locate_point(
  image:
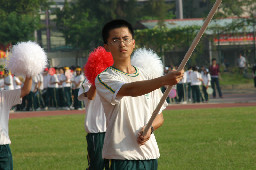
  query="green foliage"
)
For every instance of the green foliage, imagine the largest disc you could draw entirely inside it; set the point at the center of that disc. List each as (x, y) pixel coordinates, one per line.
(81, 22)
(234, 78)
(17, 27)
(19, 20)
(162, 39)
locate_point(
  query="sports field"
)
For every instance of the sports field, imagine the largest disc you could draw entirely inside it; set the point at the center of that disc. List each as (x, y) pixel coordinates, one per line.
(223, 138)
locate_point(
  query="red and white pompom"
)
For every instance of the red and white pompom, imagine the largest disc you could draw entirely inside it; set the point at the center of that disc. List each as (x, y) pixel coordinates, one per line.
(27, 58)
(97, 62)
(149, 61)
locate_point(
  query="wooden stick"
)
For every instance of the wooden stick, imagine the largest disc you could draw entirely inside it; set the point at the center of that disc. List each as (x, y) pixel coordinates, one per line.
(183, 63)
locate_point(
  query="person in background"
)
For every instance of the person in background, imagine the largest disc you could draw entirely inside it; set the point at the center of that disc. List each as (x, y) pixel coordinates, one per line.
(52, 86)
(67, 75)
(8, 80)
(45, 91)
(195, 85)
(206, 83)
(78, 82)
(188, 82)
(181, 89)
(39, 96)
(31, 95)
(215, 75)
(241, 64)
(61, 98)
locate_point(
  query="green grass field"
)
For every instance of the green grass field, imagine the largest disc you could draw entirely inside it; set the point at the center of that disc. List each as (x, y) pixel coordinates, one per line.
(189, 139)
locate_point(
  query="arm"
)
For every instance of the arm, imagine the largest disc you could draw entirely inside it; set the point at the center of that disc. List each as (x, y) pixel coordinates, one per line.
(27, 86)
(90, 94)
(143, 87)
(158, 122)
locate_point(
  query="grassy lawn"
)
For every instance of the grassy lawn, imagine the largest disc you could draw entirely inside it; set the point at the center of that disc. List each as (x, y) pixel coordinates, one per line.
(234, 78)
(189, 139)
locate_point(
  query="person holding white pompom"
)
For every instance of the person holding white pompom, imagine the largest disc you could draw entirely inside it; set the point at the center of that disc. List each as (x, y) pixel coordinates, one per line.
(9, 98)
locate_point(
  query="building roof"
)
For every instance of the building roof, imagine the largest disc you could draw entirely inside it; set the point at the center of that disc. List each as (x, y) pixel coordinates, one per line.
(175, 23)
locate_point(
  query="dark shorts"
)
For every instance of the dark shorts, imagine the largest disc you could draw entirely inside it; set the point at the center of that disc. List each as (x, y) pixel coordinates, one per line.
(94, 148)
(5, 158)
(133, 164)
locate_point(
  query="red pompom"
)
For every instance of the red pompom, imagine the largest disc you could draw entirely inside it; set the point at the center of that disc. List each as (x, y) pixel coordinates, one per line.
(97, 62)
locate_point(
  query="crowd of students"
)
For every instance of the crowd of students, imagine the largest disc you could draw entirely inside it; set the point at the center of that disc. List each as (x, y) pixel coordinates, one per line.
(193, 87)
(55, 88)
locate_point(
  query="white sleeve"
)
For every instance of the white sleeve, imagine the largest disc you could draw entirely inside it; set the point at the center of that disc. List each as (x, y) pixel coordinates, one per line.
(83, 89)
(107, 87)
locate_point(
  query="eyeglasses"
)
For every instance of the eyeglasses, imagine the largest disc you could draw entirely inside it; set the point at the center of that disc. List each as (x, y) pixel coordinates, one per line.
(117, 42)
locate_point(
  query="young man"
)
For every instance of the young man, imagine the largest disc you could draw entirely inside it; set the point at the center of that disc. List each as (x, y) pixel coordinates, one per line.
(215, 75)
(95, 125)
(9, 98)
(129, 96)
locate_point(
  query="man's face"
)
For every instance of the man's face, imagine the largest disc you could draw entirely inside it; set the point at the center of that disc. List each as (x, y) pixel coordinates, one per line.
(120, 43)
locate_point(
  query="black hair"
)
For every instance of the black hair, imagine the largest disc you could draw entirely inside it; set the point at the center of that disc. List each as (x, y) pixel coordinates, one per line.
(118, 23)
(213, 59)
(195, 68)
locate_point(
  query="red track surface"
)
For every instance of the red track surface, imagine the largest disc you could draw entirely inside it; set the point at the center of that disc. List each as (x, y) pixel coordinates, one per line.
(170, 107)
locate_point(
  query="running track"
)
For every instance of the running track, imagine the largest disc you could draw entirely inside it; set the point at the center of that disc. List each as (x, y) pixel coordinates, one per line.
(19, 115)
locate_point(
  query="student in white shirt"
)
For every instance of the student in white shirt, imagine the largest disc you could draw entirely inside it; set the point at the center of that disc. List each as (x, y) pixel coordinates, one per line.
(52, 86)
(206, 83)
(46, 93)
(77, 82)
(31, 95)
(67, 87)
(188, 82)
(95, 125)
(8, 81)
(129, 95)
(181, 89)
(195, 85)
(9, 98)
(39, 96)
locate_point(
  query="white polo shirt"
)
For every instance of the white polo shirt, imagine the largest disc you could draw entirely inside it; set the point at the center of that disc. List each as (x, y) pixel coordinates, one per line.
(184, 79)
(188, 74)
(126, 116)
(7, 100)
(53, 79)
(95, 120)
(206, 79)
(195, 75)
(66, 81)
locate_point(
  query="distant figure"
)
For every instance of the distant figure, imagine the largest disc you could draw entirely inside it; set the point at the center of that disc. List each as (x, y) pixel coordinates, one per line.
(215, 75)
(241, 64)
(254, 74)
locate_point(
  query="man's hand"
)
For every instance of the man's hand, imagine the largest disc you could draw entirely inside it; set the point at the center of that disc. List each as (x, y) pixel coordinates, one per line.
(174, 77)
(143, 139)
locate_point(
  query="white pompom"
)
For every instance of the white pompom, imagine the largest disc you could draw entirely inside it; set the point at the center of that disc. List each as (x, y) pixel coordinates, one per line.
(149, 61)
(27, 58)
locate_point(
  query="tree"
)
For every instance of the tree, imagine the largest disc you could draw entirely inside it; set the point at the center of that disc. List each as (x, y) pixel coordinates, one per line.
(81, 22)
(19, 19)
